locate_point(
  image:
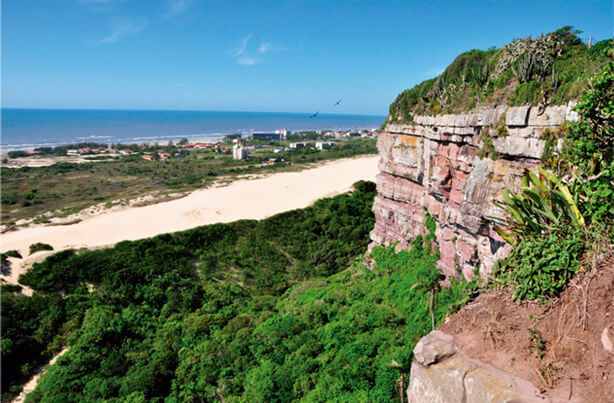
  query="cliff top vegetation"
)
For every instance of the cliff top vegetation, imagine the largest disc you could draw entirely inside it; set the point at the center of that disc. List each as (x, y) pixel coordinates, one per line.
(551, 69)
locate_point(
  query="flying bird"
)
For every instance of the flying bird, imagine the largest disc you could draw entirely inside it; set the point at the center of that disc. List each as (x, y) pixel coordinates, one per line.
(337, 103)
(315, 115)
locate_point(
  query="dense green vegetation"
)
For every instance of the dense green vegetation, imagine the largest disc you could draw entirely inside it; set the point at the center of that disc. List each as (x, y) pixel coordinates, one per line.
(69, 187)
(550, 69)
(270, 310)
(238, 262)
(563, 220)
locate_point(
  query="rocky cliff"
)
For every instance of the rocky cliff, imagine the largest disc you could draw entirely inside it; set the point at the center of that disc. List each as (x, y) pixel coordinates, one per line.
(453, 166)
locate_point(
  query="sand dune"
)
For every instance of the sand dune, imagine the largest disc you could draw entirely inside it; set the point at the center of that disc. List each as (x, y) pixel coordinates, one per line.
(244, 199)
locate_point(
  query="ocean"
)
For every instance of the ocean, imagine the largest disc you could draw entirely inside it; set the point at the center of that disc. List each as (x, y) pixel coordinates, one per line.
(24, 129)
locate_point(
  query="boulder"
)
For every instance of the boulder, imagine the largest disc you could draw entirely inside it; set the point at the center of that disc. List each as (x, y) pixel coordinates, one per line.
(442, 373)
(434, 347)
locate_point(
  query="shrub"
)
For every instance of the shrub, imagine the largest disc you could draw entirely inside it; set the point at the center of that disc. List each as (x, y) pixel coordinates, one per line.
(540, 266)
(12, 253)
(39, 246)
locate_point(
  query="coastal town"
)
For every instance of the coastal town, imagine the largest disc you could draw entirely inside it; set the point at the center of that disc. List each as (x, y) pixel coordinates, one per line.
(239, 146)
(58, 181)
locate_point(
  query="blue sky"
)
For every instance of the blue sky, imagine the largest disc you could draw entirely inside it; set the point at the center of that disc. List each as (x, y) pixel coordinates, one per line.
(286, 56)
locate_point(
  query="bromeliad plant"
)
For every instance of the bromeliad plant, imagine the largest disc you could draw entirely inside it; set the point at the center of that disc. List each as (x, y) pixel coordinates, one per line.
(543, 203)
(554, 225)
(546, 228)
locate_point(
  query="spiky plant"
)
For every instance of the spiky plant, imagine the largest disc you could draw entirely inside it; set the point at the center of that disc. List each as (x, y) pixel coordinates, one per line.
(523, 69)
(544, 202)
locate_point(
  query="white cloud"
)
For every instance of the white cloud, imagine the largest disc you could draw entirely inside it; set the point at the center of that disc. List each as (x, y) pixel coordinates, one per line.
(176, 7)
(247, 60)
(264, 47)
(267, 47)
(124, 26)
(243, 46)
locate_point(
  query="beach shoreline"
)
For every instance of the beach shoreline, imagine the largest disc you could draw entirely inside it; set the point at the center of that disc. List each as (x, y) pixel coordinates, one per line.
(242, 199)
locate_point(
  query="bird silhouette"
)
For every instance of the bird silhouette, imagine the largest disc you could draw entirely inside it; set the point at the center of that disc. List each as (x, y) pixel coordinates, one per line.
(337, 103)
(315, 115)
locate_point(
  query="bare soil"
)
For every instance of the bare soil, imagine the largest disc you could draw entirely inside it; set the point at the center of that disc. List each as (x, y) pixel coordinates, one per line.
(559, 346)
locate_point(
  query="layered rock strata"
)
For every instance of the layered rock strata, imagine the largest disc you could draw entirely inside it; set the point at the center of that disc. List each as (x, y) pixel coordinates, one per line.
(454, 166)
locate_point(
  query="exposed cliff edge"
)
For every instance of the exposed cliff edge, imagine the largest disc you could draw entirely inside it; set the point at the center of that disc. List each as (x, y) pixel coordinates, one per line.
(454, 166)
(506, 112)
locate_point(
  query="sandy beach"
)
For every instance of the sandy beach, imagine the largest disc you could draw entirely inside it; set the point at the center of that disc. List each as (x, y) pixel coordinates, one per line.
(243, 199)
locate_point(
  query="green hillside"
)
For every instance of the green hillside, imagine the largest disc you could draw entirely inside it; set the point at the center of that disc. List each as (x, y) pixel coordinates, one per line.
(550, 69)
(271, 310)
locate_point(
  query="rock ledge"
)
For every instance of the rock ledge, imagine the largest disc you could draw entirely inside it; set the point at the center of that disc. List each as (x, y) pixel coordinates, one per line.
(439, 163)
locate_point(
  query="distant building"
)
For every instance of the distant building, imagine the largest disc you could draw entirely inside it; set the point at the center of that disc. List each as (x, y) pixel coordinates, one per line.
(283, 132)
(323, 145)
(147, 157)
(277, 135)
(267, 136)
(296, 146)
(239, 152)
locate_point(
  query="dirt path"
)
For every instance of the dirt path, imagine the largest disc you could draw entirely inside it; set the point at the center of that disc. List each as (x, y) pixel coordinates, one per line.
(31, 385)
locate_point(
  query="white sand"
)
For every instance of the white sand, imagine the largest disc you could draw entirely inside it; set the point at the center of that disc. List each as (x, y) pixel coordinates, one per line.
(244, 199)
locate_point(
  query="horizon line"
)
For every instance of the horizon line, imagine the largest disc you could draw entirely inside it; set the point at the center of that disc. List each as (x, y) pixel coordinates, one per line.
(185, 110)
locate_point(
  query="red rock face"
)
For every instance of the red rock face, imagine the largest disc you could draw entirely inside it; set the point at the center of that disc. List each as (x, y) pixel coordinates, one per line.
(434, 165)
